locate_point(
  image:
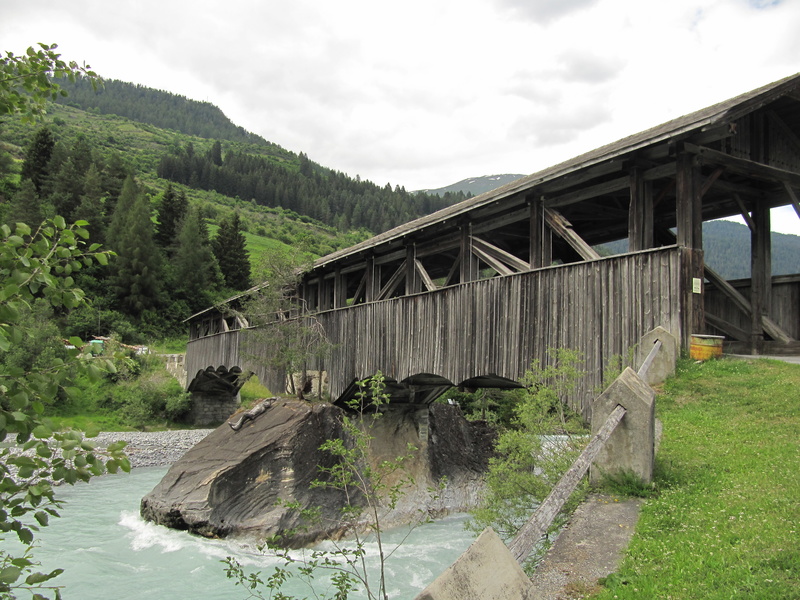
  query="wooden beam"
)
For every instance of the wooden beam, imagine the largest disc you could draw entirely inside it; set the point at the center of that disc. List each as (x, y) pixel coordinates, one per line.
(362, 286)
(412, 284)
(745, 213)
(688, 206)
(793, 198)
(729, 329)
(593, 191)
(640, 212)
(760, 275)
(743, 166)
(709, 182)
(394, 281)
(580, 177)
(774, 330)
(719, 282)
(423, 274)
(372, 279)
(563, 229)
(339, 289)
(449, 280)
(540, 237)
(469, 265)
(519, 265)
(492, 261)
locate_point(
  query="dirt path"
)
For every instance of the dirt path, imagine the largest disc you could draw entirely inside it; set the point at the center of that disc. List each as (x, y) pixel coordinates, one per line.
(588, 549)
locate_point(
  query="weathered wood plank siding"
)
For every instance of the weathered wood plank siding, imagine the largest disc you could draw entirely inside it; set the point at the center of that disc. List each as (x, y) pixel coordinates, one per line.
(492, 326)
(784, 306)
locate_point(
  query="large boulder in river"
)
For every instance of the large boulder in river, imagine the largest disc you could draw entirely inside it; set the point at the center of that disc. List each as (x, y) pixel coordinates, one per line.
(238, 482)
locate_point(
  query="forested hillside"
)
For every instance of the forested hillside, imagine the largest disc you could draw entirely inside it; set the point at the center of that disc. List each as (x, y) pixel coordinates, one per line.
(243, 165)
(727, 250)
(159, 108)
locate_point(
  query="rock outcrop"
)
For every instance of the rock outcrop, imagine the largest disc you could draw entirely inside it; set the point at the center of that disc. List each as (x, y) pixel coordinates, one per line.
(238, 482)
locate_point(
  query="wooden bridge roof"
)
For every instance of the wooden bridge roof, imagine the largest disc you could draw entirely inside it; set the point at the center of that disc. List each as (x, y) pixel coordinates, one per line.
(653, 147)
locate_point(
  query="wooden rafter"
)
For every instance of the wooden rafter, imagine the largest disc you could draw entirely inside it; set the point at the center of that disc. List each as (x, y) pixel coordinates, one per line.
(771, 327)
(394, 281)
(563, 229)
(710, 181)
(361, 289)
(487, 252)
(423, 274)
(737, 333)
(745, 213)
(742, 165)
(793, 198)
(454, 270)
(593, 191)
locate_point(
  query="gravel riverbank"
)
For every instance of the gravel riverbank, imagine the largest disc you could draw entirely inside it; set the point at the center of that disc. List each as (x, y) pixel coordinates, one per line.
(153, 448)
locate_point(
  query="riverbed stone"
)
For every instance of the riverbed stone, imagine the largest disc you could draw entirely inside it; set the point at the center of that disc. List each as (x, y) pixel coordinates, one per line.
(238, 482)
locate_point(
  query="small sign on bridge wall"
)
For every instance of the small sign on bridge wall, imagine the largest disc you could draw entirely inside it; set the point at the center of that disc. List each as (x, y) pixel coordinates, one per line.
(697, 285)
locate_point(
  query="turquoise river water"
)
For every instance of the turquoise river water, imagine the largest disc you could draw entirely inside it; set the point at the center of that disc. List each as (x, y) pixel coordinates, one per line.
(109, 552)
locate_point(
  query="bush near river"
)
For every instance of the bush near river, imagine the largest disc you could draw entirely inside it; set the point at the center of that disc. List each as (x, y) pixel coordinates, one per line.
(724, 519)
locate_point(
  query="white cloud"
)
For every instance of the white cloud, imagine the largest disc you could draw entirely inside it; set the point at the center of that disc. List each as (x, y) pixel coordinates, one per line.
(428, 92)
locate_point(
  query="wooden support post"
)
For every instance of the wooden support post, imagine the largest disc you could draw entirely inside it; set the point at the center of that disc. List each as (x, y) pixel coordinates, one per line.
(412, 281)
(325, 293)
(469, 262)
(339, 289)
(640, 212)
(541, 240)
(688, 204)
(760, 275)
(372, 280)
(689, 220)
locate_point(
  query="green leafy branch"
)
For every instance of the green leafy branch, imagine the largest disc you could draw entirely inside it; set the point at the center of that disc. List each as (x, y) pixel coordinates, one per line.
(41, 264)
(26, 81)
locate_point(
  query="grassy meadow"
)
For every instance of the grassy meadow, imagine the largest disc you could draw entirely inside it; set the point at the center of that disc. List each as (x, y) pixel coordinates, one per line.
(724, 521)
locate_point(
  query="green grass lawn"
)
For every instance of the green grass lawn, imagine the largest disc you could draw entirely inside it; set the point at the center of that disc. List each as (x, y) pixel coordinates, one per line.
(725, 522)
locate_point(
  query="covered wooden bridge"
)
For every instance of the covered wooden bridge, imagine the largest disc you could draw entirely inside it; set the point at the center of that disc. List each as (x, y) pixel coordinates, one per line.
(469, 295)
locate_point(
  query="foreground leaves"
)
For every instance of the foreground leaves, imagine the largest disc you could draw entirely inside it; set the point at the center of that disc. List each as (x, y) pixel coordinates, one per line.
(40, 264)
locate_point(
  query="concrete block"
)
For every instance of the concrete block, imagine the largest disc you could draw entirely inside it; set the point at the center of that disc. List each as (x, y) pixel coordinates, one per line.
(664, 363)
(631, 446)
(487, 570)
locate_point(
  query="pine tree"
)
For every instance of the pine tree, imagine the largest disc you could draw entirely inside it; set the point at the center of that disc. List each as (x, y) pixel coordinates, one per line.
(197, 273)
(123, 206)
(230, 249)
(91, 208)
(67, 186)
(25, 206)
(215, 154)
(172, 211)
(37, 158)
(137, 281)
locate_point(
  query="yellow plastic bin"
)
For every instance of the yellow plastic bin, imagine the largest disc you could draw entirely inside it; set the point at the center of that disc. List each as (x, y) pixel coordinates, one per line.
(703, 347)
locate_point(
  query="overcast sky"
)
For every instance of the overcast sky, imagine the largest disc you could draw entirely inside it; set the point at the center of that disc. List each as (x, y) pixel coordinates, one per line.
(424, 93)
